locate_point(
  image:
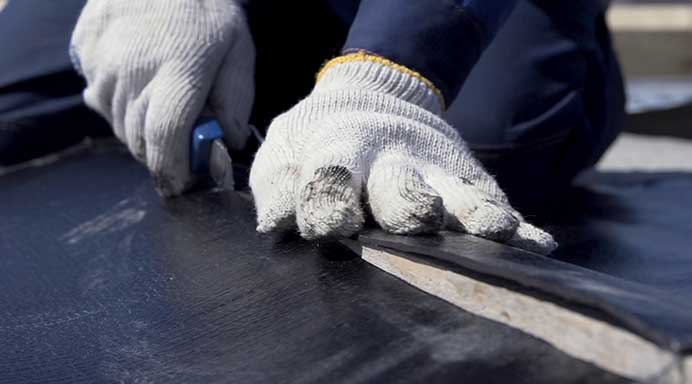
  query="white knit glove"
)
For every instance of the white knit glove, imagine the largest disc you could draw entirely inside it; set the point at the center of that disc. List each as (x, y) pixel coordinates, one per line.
(151, 66)
(369, 136)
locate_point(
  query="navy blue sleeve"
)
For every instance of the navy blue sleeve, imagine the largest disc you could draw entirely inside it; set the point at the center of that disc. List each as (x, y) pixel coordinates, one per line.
(441, 39)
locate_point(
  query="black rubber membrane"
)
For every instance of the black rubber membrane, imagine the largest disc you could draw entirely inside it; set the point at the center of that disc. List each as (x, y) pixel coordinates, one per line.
(101, 281)
(624, 255)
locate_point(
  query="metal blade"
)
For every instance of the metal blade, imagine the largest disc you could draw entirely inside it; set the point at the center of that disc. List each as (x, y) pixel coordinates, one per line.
(221, 166)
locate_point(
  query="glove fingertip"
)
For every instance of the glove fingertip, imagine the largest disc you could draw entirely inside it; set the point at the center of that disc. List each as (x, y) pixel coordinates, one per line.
(533, 239)
(168, 186)
(275, 223)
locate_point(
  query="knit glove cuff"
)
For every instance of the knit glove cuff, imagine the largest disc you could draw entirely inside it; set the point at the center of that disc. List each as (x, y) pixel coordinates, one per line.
(364, 71)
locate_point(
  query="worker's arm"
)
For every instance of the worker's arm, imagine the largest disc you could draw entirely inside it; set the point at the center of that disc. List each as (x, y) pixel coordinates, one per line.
(152, 66)
(440, 39)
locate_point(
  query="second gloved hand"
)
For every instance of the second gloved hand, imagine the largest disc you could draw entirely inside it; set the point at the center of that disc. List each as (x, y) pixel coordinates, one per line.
(370, 136)
(151, 68)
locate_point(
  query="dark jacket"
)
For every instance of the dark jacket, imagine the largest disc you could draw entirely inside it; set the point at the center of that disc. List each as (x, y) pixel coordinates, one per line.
(443, 39)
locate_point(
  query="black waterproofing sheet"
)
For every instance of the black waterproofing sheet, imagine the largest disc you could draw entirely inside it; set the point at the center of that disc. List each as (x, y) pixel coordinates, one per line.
(625, 254)
(101, 281)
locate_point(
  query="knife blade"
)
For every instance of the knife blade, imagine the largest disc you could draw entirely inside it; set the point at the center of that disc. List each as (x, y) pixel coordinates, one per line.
(209, 156)
(220, 165)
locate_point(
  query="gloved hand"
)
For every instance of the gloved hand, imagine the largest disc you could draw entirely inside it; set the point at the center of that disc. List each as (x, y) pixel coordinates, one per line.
(152, 66)
(370, 136)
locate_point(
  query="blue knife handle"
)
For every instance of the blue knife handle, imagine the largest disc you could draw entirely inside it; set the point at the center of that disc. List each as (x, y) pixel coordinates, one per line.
(203, 135)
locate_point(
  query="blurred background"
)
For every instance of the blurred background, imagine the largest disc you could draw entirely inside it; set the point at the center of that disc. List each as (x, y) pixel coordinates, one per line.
(653, 39)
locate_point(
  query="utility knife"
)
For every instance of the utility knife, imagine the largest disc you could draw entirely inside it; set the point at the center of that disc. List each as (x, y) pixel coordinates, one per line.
(209, 156)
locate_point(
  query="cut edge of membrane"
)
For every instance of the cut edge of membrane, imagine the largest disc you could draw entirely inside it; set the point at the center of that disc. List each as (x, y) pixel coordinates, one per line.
(591, 340)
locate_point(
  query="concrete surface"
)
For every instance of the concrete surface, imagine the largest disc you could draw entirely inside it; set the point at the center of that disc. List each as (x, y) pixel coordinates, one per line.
(632, 152)
(648, 94)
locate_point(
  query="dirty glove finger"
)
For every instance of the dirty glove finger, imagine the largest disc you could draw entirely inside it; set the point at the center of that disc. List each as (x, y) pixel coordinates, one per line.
(400, 200)
(533, 239)
(174, 107)
(274, 180)
(233, 91)
(469, 209)
(328, 204)
(135, 117)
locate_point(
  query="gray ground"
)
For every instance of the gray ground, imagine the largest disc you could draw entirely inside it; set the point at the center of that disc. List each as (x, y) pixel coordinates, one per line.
(632, 152)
